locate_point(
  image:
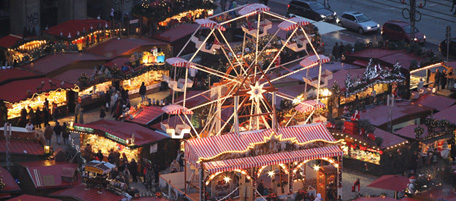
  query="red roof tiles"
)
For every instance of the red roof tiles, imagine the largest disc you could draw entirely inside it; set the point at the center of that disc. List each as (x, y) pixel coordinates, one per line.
(147, 115)
(409, 131)
(124, 130)
(23, 147)
(114, 48)
(12, 74)
(448, 114)
(51, 63)
(17, 90)
(435, 101)
(11, 185)
(9, 40)
(177, 32)
(78, 192)
(389, 139)
(32, 198)
(48, 174)
(73, 26)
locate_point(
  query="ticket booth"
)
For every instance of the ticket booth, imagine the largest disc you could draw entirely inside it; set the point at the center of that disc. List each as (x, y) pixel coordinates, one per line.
(326, 181)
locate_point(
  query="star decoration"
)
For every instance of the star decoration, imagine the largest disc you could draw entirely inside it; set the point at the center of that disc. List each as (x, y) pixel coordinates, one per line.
(256, 92)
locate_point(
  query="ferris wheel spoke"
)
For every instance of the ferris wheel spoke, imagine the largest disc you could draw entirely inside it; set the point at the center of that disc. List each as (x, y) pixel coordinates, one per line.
(281, 49)
(230, 48)
(296, 71)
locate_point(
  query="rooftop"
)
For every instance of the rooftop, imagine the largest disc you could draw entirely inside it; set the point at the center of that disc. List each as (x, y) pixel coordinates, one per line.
(48, 173)
(448, 114)
(123, 47)
(436, 102)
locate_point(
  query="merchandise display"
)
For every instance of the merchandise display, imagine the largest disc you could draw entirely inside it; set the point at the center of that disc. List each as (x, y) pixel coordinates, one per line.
(151, 79)
(105, 145)
(58, 96)
(362, 155)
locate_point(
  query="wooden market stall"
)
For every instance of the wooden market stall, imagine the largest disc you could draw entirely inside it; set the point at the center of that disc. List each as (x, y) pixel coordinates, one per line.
(20, 50)
(278, 157)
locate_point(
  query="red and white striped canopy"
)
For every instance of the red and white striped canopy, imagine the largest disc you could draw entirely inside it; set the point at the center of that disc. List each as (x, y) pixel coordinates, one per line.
(253, 8)
(177, 62)
(312, 60)
(207, 148)
(296, 21)
(209, 24)
(272, 159)
(309, 105)
(176, 109)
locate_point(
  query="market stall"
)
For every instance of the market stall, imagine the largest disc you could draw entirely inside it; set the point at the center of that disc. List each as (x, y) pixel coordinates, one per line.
(34, 92)
(21, 50)
(127, 138)
(96, 174)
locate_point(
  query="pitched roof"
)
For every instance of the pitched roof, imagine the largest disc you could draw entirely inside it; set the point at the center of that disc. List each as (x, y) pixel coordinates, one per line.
(73, 26)
(124, 130)
(72, 76)
(389, 139)
(197, 100)
(51, 63)
(177, 32)
(389, 56)
(9, 40)
(26, 197)
(378, 115)
(118, 61)
(17, 90)
(435, 101)
(409, 131)
(8, 75)
(11, 185)
(448, 114)
(78, 192)
(126, 46)
(341, 75)
(147, 115)
(23, 147)
(48, 174)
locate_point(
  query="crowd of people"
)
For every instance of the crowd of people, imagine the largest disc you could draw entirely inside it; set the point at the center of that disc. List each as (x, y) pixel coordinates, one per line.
(444, 79)
(39, 117)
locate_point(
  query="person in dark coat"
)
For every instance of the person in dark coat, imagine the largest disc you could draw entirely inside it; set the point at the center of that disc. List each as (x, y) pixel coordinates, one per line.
(108, 99)
(58, 131)
(437, 77)
(23, 119)
(133, 167)
(111, 157)
(46, 116)
(100, 155)
(65, 134)
(55, 112)
(142, 92)
(38, 116)
(156, 173)
(102, 112)
(443, 79)
(336, 51)
(48, 134)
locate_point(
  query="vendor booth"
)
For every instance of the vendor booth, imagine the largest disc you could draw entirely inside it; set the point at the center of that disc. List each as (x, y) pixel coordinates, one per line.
(277, 160)
(127, 138)
(20, 50)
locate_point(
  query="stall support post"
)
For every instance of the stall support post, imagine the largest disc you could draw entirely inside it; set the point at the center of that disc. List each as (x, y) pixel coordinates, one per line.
(185, 177)
(289, 178)
(201, 184)
(339, 176)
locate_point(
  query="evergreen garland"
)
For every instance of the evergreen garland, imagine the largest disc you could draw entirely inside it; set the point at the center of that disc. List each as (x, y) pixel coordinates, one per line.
(2, 183)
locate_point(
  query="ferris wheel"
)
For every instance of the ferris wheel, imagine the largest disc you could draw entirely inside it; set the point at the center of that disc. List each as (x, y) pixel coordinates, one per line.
(243, 98)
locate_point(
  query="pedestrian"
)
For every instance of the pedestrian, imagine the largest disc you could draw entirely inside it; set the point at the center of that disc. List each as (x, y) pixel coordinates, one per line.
(356, 184)
(111, 158)
(76, 112)
(108, 99)
(149, 176)
(420, 85)
(175, 167)
(55, 112)
(48, 134)
(102, 112)
(100, 155)
(133, 167)
(318, 198)
(57, 131)
(88, 153)
(142, 92)
(341, 50)
(65, 133)
(38, 116)
(443, 79)
(223, 5)
(335, 51)
(156, 173)
(81, 115)
(29, 126)
(450, 79)
(260, 188)
(113, 102)
(46, 116)
(23, 118)
(437, 76)
(31, 114)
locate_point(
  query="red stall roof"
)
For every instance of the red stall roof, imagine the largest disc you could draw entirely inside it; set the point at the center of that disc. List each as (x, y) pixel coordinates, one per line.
(435, 101)
(147, 115)
(11, 185)
(9, 40)
(17, 90)
(341, 75)
(409, 131)
(8, 75)
(390, 56)
(127, 46)
(378, 114)
(209, 147)
(124, 130)
(118, 61)
(32, 198)
(177, 32)
(72, 76)
(73, 26)
(448, 114)
(23, 147)
(55, 62)
(389, 139)
(193, 102)
(78, 192)
(48, 174)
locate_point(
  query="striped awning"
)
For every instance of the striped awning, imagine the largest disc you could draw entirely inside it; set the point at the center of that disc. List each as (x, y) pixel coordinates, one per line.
(177, 62)
(295, 22)
(272, 159)
(176, 109)
(253, 8)
(309, 105)
(210, 147)
(311, 60)
(209, 24)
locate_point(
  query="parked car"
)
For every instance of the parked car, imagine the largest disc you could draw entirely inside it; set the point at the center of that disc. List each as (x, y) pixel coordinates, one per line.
(310, 9)
(443, 47)
(400, 31)
(357, 21)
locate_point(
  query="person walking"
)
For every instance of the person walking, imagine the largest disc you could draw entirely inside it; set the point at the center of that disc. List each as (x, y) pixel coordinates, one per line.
(76, 112)
(356, 184)
(38, 116)
(437, 76)
(443, 79)
(336, 52)
(23, 118)
(102, 112)
(48, 134)
(57, 131)
(55, 112)
(133, 167)
(65, 134)
(108, 99)
(450, 79)
(100, 155)
(46, 116)
(142, 92)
